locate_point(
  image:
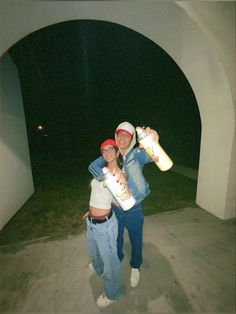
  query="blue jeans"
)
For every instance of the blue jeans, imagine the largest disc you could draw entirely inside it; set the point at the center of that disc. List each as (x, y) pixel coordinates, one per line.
(132, 220)
(102, 247)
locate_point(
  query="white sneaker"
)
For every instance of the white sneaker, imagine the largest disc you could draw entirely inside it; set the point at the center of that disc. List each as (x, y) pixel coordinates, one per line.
(134, 277)
(103, 301)
(90, 265)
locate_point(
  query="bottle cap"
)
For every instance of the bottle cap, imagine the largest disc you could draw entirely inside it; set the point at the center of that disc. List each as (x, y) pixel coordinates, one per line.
(141, 133)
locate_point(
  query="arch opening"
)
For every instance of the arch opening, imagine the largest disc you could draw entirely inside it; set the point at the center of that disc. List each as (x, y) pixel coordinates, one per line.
(87, 69)
(197, 46)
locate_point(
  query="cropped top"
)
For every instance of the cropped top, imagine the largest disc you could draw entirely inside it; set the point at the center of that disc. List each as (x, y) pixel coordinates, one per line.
(100, 196)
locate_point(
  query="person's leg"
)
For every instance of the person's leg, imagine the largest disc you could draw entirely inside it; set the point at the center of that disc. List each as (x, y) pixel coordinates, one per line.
(120, 238)
(134, 225)
(136, 241)
(107, 246)
(93, 251)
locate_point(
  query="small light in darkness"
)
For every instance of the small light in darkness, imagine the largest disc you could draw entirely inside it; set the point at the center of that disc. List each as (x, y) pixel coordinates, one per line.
(39, 128)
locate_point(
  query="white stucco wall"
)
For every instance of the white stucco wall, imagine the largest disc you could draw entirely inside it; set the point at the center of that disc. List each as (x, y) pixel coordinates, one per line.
(199, 36)
(216, 20)
(211, 70)
(16, 184)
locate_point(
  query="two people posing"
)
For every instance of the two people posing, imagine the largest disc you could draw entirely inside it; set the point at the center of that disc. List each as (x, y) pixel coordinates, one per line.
(127, 163)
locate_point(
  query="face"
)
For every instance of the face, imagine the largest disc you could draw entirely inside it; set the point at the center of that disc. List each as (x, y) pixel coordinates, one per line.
(109, 153)
(123, 140)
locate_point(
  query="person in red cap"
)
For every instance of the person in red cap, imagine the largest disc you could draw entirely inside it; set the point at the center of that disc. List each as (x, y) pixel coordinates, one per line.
(102, 230)
(133, 160)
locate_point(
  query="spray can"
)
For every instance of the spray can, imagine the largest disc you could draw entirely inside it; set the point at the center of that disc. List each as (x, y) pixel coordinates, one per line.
(119, 191)
(154, 150)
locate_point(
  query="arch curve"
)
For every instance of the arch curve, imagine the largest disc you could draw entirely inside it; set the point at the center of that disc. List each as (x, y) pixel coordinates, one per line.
(189, 35)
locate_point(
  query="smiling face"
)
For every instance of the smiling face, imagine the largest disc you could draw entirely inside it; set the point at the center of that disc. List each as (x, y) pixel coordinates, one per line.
(123, 140)
(109, 153)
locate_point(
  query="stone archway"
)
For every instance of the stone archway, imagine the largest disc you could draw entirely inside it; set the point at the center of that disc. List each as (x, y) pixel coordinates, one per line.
(192, 42)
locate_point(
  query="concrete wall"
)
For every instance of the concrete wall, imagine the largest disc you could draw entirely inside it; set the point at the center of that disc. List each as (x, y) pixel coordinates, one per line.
(214, 87)
(16, 184)
(199, 36)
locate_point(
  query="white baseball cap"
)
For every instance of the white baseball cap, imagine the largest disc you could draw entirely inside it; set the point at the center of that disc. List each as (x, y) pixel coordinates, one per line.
(125, 126)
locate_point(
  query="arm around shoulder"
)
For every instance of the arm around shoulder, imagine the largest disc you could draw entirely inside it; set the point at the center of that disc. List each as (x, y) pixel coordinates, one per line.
(95, 168)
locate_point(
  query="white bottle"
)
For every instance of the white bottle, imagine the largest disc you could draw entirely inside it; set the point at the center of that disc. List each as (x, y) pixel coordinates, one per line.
(154, 150)
(119, 191)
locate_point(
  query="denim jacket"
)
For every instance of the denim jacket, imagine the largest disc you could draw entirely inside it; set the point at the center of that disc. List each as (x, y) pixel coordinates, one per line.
(134, 161)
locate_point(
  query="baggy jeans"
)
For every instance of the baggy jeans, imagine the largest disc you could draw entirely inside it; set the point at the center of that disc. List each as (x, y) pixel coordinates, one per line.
(132, 220)
(102, 247)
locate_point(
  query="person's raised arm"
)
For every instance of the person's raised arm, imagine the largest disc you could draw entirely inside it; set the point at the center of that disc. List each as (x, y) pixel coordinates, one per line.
(142, 155)
(95, 168)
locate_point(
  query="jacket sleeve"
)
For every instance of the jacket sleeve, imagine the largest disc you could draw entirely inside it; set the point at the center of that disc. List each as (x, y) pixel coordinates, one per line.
(95, 168)
(142, 156)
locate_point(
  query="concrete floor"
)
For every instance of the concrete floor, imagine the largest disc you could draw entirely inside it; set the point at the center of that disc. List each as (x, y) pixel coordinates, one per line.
(189, 266)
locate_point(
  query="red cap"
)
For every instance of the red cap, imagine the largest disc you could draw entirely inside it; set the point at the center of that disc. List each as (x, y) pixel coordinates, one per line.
(109, 141)
(126, 127)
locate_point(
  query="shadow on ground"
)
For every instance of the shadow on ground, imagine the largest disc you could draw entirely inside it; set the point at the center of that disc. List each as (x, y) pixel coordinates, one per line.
(159, 288)
(188, 267)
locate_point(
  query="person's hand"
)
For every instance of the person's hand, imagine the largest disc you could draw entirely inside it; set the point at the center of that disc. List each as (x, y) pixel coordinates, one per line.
(86, 214)
(153, 133)
(120, 176)
(155, 159)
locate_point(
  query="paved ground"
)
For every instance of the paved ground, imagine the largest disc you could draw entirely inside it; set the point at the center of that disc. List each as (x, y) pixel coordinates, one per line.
(189, 266)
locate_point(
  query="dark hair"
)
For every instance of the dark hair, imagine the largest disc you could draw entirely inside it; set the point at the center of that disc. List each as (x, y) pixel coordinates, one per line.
(120, 160)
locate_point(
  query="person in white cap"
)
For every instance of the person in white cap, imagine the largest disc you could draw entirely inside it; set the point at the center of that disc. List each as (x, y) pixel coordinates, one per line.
(133, 161)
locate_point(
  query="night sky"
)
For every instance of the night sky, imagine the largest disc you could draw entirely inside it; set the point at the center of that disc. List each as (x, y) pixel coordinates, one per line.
(80, 79)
